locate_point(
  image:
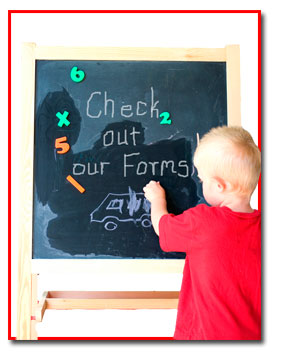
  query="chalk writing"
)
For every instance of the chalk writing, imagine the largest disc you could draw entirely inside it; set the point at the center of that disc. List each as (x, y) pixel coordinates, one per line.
(119, 138)
(129, 207)
(155, 167)
(99, 104)
(134, 167)
(80, 168)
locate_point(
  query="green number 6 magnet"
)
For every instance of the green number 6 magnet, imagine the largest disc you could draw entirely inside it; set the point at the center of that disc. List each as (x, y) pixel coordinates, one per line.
(77, 75)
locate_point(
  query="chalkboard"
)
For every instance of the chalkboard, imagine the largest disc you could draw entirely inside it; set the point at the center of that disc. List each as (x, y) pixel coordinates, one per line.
(105, 131)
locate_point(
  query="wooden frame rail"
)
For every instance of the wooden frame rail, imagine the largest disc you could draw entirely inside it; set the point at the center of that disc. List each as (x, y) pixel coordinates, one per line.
(97, 300)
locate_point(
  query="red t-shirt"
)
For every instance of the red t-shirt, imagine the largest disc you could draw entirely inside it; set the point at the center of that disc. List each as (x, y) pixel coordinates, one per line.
(220, 297)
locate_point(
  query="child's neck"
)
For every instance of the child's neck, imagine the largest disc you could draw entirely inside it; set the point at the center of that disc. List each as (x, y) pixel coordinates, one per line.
(237, 204)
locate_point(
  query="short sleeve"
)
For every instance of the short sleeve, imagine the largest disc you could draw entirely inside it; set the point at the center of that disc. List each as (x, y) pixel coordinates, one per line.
(176, 232)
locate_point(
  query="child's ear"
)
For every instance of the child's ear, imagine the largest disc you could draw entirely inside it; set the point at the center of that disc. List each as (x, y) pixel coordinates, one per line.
(222, 185)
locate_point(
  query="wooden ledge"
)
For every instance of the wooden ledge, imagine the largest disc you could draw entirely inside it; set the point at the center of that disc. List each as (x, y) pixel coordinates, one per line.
(95, 300)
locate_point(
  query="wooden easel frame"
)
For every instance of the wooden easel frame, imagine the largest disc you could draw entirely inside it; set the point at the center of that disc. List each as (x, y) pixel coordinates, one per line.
(28, 309)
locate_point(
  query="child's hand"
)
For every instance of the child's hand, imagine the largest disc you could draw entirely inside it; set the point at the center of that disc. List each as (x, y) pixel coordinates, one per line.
(153, 191)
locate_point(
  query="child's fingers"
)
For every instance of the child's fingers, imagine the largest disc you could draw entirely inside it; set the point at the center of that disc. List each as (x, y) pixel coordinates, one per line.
(152, 186)
(151, 182)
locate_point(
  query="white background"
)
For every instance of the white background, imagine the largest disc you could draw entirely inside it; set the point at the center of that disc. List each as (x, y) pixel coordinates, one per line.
(281, 290)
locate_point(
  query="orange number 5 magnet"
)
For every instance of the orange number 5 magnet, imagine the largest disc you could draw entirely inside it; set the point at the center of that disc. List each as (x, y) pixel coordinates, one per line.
(62, 145)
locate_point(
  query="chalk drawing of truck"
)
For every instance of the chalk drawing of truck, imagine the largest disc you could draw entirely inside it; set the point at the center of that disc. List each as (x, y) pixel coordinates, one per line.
(129, 207)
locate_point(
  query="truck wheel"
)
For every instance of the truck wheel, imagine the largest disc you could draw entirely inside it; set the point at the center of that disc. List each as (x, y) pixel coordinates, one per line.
(146, 223)
(110, 226)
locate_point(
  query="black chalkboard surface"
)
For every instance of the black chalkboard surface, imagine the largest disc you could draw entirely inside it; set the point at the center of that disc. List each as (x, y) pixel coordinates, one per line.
(116, 144)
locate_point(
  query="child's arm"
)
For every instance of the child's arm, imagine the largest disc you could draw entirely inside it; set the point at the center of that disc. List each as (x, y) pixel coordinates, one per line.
(157, 196)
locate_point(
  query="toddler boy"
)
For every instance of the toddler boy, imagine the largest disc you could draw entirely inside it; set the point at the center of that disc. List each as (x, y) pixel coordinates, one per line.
(220, 297)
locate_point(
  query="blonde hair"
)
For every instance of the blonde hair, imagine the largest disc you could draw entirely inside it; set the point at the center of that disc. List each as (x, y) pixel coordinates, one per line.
(231, 154)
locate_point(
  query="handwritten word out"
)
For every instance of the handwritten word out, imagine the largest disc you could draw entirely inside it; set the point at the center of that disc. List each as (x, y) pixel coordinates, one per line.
(118, 138)
(99, 105)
